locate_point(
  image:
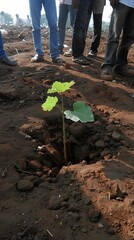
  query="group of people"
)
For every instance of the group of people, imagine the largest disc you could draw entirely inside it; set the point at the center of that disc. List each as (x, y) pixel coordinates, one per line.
(120, 37)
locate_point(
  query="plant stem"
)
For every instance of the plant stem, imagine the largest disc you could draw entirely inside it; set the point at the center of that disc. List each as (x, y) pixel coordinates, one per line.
(63, 129)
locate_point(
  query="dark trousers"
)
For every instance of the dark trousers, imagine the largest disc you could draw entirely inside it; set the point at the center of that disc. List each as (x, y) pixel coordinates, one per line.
(121, 36)
(64, 10)
(97, 19)
(80, 27)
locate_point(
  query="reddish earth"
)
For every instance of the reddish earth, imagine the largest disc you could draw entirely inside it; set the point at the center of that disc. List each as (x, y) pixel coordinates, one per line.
(40, 197)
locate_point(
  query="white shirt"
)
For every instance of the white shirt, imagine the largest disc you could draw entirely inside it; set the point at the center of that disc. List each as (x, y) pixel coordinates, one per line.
(129, 3)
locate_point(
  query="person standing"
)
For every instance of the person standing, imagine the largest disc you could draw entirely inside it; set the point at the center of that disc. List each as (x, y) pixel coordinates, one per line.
(3, 56)
(120, 39)
(51, 15)
(19, 22)
(84, 10)
(97, 21)
(65, 8)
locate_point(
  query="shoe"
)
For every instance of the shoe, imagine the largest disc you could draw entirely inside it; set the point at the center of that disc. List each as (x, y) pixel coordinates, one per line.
(57, 60)
(92, 53)
(6, 60)
(37, 58)
(68, 53)
(61, 51)
(124, 70)
(107, 73)
(82, 60)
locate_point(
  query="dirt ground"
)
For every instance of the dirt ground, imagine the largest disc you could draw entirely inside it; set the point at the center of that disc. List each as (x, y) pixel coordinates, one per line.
(92, 197)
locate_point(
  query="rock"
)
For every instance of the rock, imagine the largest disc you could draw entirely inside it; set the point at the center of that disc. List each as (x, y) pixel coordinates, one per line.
(73, 208)
(111, 231)
(110, 128)
(124, 143)
(100, 144)
(9, 93)
(94, 216)
(105, 152)
(100, 225)
(25, 185)
(117, 193)
(116, 136)
(54, 203)
(22, 164)
(35, 165)
(83, 162)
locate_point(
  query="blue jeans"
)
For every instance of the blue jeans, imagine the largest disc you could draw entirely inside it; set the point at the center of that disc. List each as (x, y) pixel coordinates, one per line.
(80, 27)
(64, 10)
(122, 22)
(2, 52)
(51, 15)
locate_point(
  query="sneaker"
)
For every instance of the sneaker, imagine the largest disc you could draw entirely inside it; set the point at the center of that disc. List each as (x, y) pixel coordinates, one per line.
(8, 61)
(124, 70)
(107, 73)
(57, 60)
(68, 53)
(37, 58)
(92, 53)
(82, 60)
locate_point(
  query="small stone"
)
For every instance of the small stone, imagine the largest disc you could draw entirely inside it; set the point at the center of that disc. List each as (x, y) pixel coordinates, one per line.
(94, 216)
(35, 165)
(84, 230)
(54, 203)
(24, 185)
(100, 144)
(83, 162)
(100, 225)
(111, 231)
(116, 136)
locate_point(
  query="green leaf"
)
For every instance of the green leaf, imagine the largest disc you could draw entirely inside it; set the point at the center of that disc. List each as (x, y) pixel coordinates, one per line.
(59, 87)
(82, 113)
(50, 103)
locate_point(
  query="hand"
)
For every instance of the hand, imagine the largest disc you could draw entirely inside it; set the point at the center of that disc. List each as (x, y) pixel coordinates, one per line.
(114, 3)
(75, 3)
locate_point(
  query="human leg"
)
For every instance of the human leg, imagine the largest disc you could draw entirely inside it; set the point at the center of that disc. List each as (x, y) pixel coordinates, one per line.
(97, 19)
(126, 41)
(3, 56)
(51, 15)
(2, 52)
(72, 12)
(35, 12)
(80, 28)
(63, 14)
(117, 22)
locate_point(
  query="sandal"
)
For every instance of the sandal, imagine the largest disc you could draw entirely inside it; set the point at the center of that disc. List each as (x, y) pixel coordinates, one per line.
(81, 60)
